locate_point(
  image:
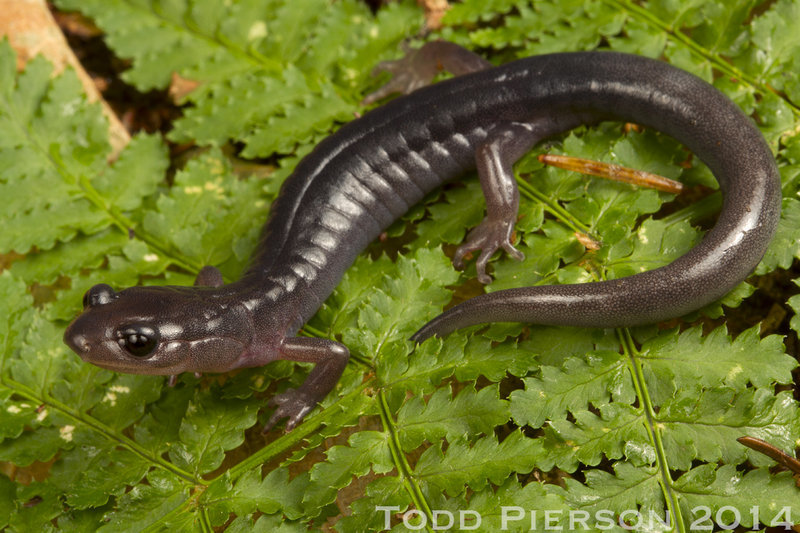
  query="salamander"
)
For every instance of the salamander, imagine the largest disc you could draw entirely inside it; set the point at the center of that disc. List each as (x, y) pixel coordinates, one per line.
(358, 180)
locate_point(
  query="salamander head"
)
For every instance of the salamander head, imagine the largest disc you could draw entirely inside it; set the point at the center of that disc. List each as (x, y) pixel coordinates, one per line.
(160, 330)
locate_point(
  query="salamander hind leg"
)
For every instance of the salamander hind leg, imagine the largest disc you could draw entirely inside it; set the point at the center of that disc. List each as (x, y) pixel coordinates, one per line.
(418, 68)
(330, 358)
(503, 146)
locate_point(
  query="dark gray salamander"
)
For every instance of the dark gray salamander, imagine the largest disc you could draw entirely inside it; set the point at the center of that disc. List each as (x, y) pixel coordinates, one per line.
(366, 175)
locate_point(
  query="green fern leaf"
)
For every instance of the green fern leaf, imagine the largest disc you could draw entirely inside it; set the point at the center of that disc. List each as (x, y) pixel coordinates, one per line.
(36, 517)
(341, 309)
(469, 413)
(722, 25)
(7, 493)
(275, 493)
(135, 174)
(470, 12)
(55, 141)
(69, 257)
(606, 495)
(367, 450)
(163, 37)
(430, 364)
(544, 253)
(616, 433)
(244, 97)
(93, 472)
(773, 498)
(127, 260)
(414, 289)
(242, 52)
(713, 360)
(299, 122)
(653, 243)
(158, 429)
(705, 426)
(265, 524)
(204, 207)
(145, 503)
(475, 465)
(786, 244)
(774, 36)
(794, 303)
(579, 383)
(210, 428)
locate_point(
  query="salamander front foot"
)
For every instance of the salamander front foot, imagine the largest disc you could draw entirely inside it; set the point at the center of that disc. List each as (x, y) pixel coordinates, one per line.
(329, 357)
(488, 237)
(292, 404)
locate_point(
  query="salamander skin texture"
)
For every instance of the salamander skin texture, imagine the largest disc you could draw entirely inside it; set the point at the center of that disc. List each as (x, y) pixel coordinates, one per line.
(372, 170)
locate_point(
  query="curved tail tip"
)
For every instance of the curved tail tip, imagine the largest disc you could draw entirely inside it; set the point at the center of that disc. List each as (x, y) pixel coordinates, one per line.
(424, 333)
(441, 326)
(418, 337)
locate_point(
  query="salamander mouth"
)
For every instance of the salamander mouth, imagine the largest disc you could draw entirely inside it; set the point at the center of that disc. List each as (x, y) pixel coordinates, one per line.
(127, 367)
(116, 366)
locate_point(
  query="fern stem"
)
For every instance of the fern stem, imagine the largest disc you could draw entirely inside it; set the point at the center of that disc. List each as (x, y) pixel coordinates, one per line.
(287, 440)
(531, 193)
(205, 521)
(721, 65)
(639, 382)
(311, 331)
(403, 468)
(99, 427)
(186, 263)
(697, 211)
(127, 226)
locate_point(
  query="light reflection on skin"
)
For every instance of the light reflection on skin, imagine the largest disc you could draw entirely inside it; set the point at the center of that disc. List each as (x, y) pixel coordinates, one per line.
(171, 330)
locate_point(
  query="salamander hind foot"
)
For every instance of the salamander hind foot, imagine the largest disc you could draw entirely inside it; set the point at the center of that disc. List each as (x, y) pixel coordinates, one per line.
(418, 67)
(407, 76)
(488, 237)
(292, 404)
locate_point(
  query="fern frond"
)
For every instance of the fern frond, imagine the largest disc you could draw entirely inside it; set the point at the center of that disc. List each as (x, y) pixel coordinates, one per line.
(244, 56)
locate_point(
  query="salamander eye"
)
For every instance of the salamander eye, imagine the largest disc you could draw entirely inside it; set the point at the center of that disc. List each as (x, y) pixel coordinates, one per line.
(100, 294)
(139, 341)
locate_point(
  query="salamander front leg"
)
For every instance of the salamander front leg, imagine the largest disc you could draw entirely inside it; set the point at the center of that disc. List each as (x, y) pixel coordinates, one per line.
(330, 358)
(209, 276)
(503, 146)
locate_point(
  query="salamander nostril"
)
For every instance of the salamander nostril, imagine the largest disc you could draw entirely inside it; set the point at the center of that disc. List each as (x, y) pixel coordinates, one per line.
(79, 343)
